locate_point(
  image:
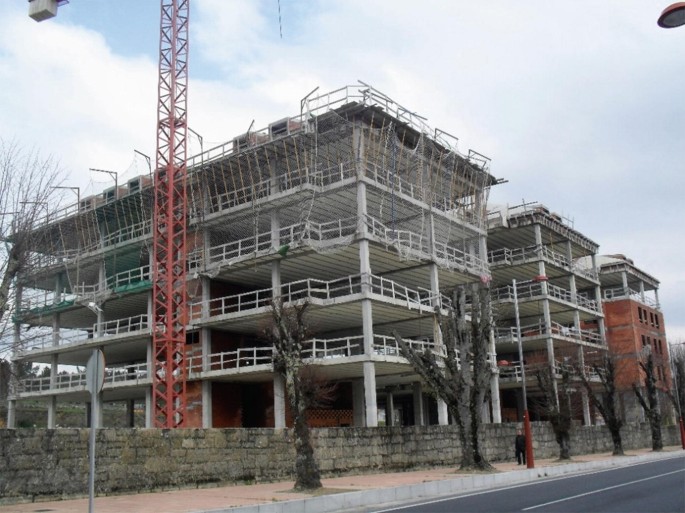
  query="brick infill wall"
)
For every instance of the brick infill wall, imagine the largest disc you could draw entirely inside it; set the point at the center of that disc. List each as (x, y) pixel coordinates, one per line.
(42, 464)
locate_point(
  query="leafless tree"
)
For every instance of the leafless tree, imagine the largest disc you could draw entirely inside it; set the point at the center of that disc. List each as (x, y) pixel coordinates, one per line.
(606, 399)
(27, 192)
(650, 403)
(461, 375)
(677, 391)
(556, 405)
(303, 386)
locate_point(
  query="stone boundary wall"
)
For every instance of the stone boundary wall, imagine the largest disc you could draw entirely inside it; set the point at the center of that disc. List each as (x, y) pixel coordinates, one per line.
(53, 463)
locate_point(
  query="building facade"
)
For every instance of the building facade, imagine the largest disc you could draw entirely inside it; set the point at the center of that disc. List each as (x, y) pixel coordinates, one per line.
(634, 327)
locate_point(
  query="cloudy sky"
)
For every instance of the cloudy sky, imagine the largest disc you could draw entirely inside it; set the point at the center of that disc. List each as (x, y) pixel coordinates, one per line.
(579, 104)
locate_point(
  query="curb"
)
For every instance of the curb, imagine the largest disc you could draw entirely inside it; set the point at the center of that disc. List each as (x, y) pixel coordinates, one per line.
(349, 500)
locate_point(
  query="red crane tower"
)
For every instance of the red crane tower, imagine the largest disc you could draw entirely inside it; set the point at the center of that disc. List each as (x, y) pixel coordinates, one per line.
(170, 211)
(170, 216)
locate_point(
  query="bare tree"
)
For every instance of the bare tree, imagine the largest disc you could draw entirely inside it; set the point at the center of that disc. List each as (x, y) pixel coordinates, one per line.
(461, 375)
(677, 391)
(303, 388)
(606, 400)
(557, 406)
(27, 192)
(650, 403)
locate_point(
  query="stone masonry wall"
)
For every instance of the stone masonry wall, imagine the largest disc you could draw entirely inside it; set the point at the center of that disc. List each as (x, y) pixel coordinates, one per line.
(43, 464)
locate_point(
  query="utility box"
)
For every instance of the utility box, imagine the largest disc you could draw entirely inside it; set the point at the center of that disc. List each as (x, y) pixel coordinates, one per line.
(41, 10)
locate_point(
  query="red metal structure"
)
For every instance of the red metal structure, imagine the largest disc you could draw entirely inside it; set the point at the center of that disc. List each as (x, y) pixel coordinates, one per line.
(169, 223)
(170, 212)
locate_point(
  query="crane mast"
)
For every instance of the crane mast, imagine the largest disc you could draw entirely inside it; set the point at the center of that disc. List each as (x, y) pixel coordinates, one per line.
(170, 212)
(169, 220)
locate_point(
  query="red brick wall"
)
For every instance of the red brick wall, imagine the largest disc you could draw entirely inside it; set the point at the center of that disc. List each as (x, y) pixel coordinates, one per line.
(627, 322)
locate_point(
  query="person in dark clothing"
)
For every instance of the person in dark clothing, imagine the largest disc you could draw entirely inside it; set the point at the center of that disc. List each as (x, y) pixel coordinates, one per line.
(520, 446)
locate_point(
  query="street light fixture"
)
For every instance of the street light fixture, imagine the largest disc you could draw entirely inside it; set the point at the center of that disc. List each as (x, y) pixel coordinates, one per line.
(113, 174)
(76, 190)
(673, 16)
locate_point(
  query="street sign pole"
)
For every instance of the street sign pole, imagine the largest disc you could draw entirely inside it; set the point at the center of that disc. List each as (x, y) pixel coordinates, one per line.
(95, 379)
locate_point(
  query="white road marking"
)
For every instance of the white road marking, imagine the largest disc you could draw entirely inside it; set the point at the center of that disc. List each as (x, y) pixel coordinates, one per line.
(602, 490)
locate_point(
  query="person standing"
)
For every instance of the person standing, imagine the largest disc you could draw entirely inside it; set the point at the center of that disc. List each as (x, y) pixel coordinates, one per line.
(520, 446)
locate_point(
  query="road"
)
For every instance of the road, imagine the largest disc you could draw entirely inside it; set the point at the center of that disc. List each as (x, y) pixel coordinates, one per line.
(652, 487)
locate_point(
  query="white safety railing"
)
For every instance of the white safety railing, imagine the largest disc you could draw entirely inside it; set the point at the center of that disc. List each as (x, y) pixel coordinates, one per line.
(130, 375)
(261, 244)
(324, 350)
(614, 293)
(33, 342)
(508, 334)
(124, 325)
(315, 289)
(531, 289)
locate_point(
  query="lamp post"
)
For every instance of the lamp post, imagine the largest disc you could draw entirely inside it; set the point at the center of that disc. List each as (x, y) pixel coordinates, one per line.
(673, 16)
(530, 461)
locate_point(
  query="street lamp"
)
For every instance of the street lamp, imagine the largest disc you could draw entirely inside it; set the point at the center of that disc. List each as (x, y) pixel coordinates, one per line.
(76, 190)
(113, 174)
(673, 16)
(530, 461)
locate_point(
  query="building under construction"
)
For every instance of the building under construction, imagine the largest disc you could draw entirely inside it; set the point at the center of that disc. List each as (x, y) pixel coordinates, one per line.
(547, 298)
(354, 205)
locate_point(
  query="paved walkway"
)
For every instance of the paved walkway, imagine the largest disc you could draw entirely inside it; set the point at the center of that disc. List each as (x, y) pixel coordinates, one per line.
(371, 489)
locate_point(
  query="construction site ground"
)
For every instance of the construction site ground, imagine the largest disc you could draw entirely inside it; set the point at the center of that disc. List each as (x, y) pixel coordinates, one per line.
(339, 493)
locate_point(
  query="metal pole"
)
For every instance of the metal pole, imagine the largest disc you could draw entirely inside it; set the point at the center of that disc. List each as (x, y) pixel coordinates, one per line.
(530, 458)
(93, 423)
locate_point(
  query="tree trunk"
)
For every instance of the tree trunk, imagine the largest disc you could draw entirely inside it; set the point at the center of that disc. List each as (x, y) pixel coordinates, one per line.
(564, 441)
(306, 467)
(616, 439)
(655, 425)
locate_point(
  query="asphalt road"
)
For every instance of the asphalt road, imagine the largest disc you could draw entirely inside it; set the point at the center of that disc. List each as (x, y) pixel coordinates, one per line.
(652, 487)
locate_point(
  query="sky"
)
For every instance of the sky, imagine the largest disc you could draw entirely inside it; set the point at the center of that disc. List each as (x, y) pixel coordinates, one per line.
(580, 105)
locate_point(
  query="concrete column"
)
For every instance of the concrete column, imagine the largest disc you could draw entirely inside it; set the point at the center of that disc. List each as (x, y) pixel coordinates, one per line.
(206, 348)
(278, 380)
(207, 419)
(443, 418)
(358, 410)
(371, 407)
(52, 401)
(546, 310)
(419, 414)
(370, 400)
(279, 401)
(11, 414)
(624, 280)
(587, 420)
(642, 291)
(52, 412)
(389, 408)
(494, 383)
(149, 406)
(443, 414)
(656, 299)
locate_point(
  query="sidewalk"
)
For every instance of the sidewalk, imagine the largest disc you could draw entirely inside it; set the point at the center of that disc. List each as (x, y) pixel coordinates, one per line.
(339, 493)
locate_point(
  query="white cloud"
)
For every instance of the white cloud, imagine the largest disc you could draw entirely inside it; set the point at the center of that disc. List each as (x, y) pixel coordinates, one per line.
(575, 102)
